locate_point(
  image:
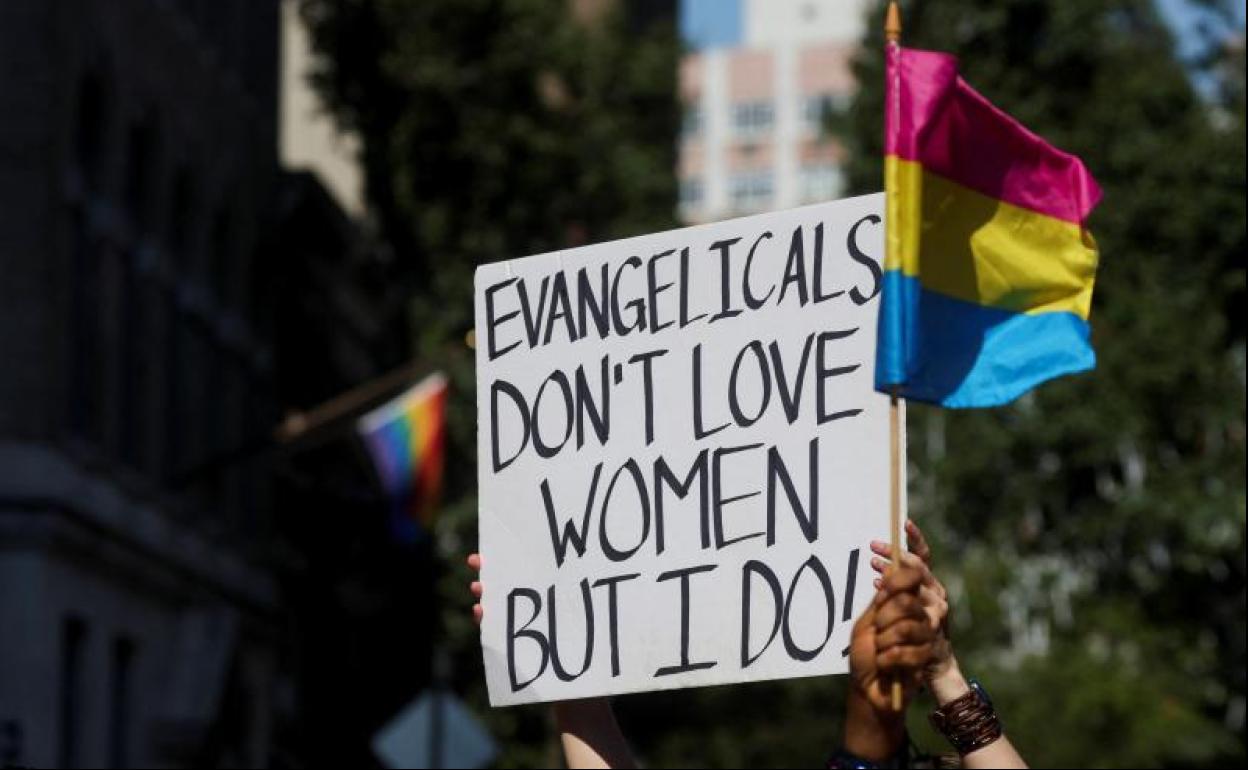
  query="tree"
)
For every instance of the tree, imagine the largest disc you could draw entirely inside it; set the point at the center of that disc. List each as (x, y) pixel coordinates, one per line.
(1094, 531)
(495, 129)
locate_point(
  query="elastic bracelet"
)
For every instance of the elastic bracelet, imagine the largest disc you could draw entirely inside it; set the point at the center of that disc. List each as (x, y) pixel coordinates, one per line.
(969, 722)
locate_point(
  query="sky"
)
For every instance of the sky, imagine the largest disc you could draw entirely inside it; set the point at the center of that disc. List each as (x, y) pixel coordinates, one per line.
(717, 23)
(1187, 18)
(711, 23)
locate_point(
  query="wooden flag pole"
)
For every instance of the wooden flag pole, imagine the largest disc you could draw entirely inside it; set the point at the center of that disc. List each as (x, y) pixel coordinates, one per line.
(892, 39)
(306, 430)
(894, 508)
(298, 425)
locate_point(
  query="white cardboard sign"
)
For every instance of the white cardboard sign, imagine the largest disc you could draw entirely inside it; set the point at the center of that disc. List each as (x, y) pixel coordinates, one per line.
(682, 459)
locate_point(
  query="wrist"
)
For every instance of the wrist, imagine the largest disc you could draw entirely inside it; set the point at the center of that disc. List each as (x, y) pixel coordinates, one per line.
(870, 734)
(949, 684)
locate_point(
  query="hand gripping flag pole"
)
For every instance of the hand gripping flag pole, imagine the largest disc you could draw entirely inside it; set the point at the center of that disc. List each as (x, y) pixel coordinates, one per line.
(989, 268)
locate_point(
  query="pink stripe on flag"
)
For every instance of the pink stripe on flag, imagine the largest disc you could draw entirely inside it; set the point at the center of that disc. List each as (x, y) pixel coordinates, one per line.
(942, 123)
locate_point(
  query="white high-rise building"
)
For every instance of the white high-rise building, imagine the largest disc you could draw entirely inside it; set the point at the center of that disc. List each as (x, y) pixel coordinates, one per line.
(756, 86)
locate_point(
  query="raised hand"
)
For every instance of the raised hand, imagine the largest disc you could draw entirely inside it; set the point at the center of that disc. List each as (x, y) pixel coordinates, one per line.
(892, 640)
(932, 594)
(590, 736)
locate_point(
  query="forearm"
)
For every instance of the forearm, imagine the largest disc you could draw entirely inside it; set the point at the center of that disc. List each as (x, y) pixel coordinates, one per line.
(951, 685)
(1000, 754)
(590, 735)
(869, 734)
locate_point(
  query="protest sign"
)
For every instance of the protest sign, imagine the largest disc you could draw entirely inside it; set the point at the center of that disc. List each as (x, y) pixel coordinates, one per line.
(682, 459)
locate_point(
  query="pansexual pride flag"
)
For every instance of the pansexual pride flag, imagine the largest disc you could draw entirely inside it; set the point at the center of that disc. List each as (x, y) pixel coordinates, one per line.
(405, 438)
(989, 270)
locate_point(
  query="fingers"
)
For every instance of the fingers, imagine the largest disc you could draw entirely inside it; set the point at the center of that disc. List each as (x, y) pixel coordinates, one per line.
(881, 548)
(894, 640)
(917, 543)
(884, 552)
(897, 607)
(881, 564)
(474, 562)
(905, 577)
(904, 649)
(933, 599)
(936, 604)
(905, 632)
(908, 659)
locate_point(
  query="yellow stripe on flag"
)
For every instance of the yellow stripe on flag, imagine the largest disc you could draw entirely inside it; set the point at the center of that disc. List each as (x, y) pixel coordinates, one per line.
(975, 248)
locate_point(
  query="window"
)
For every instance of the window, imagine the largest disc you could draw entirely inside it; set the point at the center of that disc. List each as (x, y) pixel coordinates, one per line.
(752, 119)
(690, 192)
(691, 122)
(119, 713)
(822, 182)
(750, 191)
(816, 110)
(73, 657)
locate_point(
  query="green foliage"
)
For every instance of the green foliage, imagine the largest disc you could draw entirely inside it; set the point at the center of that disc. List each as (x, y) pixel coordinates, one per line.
(1095, 530)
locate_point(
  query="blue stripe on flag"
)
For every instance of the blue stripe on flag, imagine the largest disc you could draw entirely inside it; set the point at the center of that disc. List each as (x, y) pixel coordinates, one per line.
(959, 354)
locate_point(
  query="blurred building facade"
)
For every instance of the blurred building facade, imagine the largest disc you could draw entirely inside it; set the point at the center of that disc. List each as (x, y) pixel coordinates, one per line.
(169, 292)
(139, 160)
(756, 90)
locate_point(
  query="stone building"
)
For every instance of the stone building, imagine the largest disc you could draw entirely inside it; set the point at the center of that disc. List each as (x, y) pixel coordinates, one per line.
(144, 223)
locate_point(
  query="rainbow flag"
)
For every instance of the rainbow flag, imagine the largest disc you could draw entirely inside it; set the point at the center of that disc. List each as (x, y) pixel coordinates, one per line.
(405, 438)
(989, 270)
